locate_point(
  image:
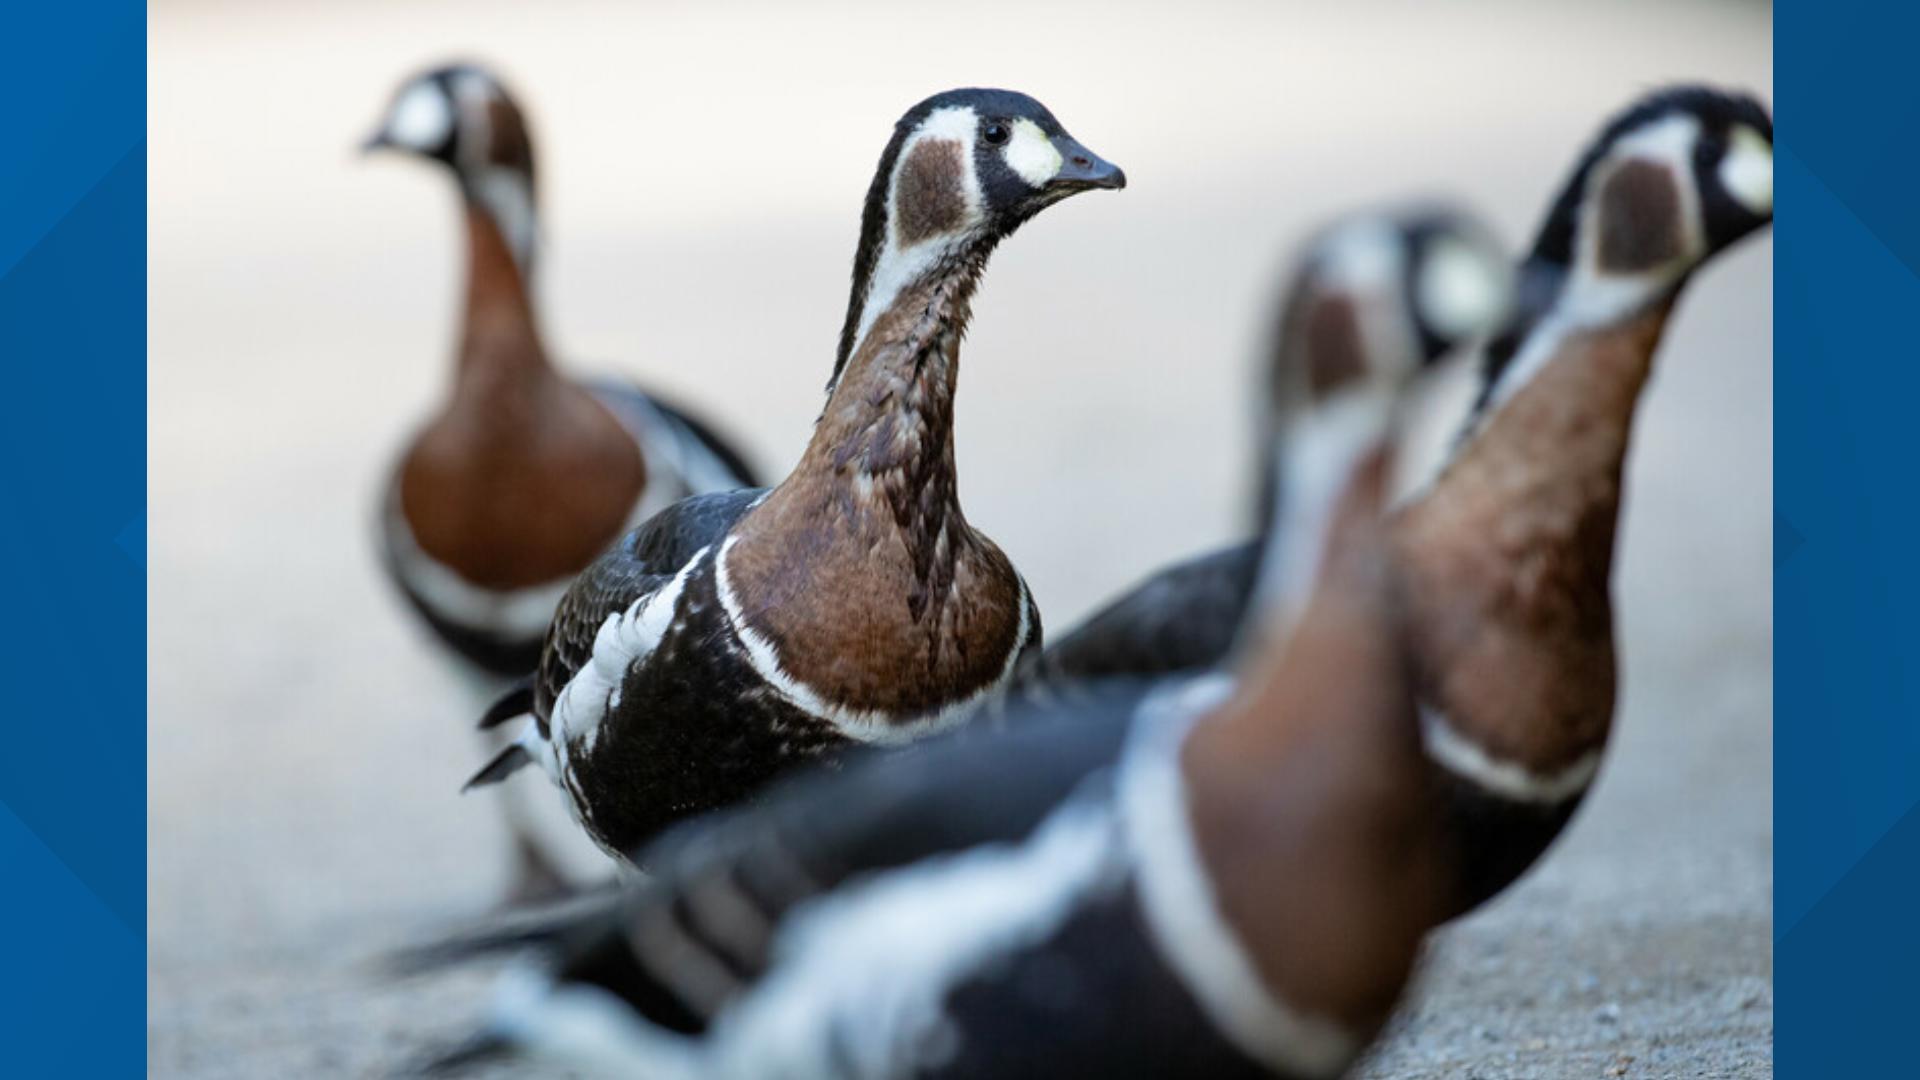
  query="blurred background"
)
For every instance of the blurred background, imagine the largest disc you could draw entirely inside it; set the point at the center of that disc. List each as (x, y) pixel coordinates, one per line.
(702, 168)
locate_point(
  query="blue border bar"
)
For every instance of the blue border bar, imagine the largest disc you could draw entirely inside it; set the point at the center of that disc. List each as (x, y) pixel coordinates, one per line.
(1846, 569)
(73, 539)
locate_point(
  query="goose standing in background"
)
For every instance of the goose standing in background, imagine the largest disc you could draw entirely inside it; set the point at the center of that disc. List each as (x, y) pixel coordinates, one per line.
(1181, 878)
(1508, 553)
(521, 475)
(734, 636)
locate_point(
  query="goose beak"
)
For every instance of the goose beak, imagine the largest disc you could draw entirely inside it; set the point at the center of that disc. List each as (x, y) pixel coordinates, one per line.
(1081, 169)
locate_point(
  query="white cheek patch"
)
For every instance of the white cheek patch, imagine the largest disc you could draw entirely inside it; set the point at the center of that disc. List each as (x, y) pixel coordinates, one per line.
(1459, 291)
(1031, 155)
(1747, 170)
(421, 119)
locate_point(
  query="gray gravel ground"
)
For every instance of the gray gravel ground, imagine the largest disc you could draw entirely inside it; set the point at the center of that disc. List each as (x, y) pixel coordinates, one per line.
(305, 742)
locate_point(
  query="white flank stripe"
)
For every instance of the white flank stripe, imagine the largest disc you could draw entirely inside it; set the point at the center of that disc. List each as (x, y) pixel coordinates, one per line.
(581, 1027)
(870, 967)
(1179, 903)
(624, 640)
(861, 725)
(859, 976)
(1466, 759)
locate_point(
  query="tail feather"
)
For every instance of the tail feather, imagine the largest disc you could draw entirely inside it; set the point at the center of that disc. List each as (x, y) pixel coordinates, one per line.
(510, 932)
(514, 703)
(504, 764)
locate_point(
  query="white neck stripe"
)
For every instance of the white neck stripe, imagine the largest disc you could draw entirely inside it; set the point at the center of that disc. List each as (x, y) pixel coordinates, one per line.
(507, 198)
(898, 264)
(1453, 751)
(1182, 913)
(1316, 457)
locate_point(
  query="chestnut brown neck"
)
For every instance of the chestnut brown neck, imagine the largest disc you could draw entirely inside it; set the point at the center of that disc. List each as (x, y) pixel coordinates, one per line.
(1509, 557)
(860, 566)
(500, 348)
(886, 434)
(1307, 792)
(1552, 453)
(1260, 719)
(522, 476)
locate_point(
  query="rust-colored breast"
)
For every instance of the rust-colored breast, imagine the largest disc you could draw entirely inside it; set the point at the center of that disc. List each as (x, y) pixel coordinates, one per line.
(1508, 560)
(523, 477)
(521, 490)
(1307, 799)
(860, 615)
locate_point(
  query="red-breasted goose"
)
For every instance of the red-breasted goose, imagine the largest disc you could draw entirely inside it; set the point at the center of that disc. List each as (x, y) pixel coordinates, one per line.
(1174, 879)
(733, 636)
(521, 475)
(1509, 552)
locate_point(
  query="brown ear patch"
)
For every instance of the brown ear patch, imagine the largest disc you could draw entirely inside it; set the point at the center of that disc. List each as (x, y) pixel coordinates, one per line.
(1639, 219)
(1320, 334)
(509, 145)
(930, 196)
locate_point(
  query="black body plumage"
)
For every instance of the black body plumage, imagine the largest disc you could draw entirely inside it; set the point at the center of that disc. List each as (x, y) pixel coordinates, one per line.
(702, 934)
(695, 727)
(1182, 618)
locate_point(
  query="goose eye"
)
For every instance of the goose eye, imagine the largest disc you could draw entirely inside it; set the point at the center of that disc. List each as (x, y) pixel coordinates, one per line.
(997, 133)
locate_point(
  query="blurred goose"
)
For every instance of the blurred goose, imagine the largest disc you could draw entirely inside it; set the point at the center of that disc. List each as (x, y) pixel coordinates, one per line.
(521, 475)
(1174, 879)
(1508, 554)
(733, 636)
